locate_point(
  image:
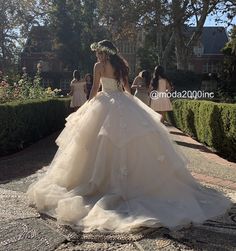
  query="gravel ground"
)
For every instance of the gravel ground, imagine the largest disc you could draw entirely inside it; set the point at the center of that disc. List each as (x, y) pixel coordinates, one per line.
(22, 228)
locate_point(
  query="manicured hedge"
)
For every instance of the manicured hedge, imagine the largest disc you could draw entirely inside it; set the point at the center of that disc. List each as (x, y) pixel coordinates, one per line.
(24, 122)
(213, 124)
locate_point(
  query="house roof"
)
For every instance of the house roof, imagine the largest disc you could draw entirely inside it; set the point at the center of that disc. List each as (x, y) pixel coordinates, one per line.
(213, 39)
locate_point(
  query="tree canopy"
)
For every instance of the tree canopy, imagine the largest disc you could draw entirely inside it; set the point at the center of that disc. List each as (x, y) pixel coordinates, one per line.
(77, 23)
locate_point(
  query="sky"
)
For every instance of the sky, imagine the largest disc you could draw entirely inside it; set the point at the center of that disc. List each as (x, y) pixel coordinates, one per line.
(210, 21)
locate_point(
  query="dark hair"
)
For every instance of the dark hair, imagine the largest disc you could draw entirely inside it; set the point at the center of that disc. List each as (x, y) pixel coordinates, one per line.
(158, 72)
(147, 77)
(76, 74)
(120, 65)
(88, 75)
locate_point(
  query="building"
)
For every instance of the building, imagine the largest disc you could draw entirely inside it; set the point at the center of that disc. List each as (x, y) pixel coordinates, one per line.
(40, 51)
(129, 48)
(207, 56)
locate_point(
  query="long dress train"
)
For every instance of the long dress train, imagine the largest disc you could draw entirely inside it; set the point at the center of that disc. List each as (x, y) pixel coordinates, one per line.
(116, 169)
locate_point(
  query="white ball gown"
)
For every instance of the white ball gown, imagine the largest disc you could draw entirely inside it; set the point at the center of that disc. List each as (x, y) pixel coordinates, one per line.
(117, 169)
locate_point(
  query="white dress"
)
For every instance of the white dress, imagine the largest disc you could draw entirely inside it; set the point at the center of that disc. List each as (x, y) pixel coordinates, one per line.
(142, 93)
(162, 103)
(120, 172)
(78, 96)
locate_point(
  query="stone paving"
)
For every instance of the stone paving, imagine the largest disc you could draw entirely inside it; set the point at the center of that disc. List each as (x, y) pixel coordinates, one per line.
(23, 229)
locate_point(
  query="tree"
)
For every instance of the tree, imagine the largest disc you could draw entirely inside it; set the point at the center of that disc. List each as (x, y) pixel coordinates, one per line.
(75, 26)
(125, 19)
(181, 12)
(167, 19)
(92, 31)
(230, 59)
(16, 20)
(65, 24)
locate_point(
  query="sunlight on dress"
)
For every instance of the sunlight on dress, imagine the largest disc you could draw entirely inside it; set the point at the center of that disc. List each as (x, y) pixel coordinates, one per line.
(116, 169)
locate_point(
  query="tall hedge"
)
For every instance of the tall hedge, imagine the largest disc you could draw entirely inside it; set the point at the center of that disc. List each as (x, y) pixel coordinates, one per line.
(27, 121)
(213, 124)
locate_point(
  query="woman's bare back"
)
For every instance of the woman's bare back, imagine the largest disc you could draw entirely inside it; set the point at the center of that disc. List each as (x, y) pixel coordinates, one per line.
(107, 70)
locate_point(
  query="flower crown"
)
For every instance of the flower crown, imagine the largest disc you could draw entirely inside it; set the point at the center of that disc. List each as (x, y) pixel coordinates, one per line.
(97, 46)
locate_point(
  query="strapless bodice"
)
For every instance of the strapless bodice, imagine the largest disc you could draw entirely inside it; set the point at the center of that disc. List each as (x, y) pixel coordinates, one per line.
(111, 85)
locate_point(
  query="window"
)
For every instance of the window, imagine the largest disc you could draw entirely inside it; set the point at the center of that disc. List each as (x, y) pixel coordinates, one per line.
(214, 68)
(198, 51)
(205, 68)
(191, 67)
(211, 67)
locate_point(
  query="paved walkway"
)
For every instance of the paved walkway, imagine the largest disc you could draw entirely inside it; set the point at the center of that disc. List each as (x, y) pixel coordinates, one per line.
(205, 165)
(22, 228)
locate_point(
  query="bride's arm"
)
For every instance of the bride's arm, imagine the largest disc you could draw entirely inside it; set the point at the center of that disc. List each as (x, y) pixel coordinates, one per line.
(96, 80)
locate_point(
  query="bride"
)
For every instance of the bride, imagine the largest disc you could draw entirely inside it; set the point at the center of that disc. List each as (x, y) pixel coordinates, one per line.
(116, 167)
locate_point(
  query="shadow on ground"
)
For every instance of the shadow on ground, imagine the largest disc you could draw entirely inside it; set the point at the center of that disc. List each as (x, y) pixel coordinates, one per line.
(29, 160)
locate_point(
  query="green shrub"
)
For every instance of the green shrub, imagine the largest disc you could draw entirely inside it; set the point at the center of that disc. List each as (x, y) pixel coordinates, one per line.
(24, 122)
(213, 124)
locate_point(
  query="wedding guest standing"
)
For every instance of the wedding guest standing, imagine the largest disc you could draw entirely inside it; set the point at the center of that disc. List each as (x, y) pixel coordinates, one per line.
(77, 91)
(89, 84)
(160, 84)
(141, 84)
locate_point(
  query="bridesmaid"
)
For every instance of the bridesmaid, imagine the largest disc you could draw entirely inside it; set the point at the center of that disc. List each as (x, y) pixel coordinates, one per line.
(162, 86)
(141, 84)
(89, 84)
(77, 91)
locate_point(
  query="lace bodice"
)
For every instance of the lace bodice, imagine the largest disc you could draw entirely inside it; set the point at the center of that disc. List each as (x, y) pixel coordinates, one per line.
(111, 85)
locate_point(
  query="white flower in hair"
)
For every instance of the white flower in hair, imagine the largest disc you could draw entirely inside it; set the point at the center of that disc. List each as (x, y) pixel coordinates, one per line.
(98, 46)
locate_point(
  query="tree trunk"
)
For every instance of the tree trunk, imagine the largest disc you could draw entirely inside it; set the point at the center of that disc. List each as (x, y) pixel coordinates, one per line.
(183, 45)
(158, 23)
(181, 53)
(167, 51)
(178, 13)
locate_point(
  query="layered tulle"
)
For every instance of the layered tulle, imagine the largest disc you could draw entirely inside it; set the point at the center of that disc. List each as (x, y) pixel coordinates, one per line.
(116, 169)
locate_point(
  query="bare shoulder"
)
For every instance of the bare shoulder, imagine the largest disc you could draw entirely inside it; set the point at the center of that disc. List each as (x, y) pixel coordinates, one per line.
(98, 66)
(73, 81)
(139, 78)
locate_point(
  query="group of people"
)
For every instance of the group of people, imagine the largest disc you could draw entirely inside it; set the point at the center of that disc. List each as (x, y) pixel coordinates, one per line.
(143, 84)
(116, 168)
(80, 89)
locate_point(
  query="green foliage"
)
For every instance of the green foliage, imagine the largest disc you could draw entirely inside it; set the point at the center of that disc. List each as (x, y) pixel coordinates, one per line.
(27, 121)
(26, 88)
(213, 124)
(230, 47)
(75, 25)
(227, 88)
(17, 18)
(148, 58)
(229, 71)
